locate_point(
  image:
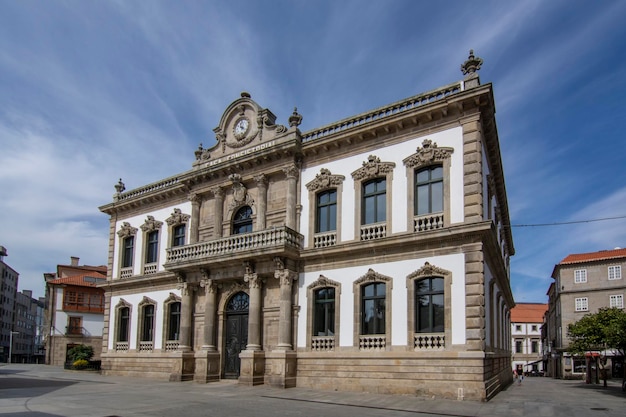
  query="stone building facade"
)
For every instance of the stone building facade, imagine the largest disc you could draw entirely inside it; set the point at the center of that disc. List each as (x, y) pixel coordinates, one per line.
(369, 254)
(526, 327)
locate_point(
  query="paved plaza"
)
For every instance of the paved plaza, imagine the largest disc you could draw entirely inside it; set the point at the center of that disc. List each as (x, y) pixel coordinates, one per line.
(46, 391)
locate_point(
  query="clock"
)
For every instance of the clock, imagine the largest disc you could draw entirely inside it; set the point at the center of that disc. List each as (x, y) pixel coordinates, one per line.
(241, 128)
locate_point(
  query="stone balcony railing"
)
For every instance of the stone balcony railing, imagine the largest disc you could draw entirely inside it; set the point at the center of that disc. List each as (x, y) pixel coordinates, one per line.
(279, 239)
(429, 341)
(373, 231)
(322, 343)
(428, 222)
(121, 346)
(372, 342)
(324, 240)
(171, 345)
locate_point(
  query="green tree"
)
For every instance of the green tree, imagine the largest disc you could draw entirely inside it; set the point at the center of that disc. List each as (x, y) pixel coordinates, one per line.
(604, 330)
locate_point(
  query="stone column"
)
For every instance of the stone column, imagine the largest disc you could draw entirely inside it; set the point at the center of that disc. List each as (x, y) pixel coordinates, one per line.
(261, 182)
(218, 193)
(253, 357)
(207, 360)
(186, 310)
(286, 278)
(195, 217)
(254, 309)
(210, 293)
(292, 180)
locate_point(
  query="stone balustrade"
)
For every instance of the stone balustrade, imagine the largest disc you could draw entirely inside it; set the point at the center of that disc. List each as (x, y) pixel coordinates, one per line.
(264, 239)
(428, 222)
(150, 269)
(325, 240)
(372, 342)
(171, 345)
(373, 231)
(122, 346)
(146, 346)
(126, 272)
(429, 341)
(322, 343)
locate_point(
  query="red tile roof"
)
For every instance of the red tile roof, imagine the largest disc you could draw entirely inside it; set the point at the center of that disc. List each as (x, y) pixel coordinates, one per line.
(594, 256)
(89, 279)
(528, 313)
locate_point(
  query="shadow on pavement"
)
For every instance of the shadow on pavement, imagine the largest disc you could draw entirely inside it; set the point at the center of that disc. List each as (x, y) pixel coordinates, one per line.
(612, 389)
(16, 387)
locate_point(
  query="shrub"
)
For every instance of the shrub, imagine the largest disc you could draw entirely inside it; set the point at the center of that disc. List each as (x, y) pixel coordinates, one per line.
(80, 363)
(80, 352)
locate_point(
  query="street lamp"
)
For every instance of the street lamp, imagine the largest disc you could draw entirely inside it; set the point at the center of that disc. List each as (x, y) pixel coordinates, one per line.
(11, 344)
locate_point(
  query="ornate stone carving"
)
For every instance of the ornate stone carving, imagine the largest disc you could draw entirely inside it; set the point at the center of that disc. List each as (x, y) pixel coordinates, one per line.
(469, 68)
(151, 224)
(261, 180)
(429, 153)
(183, 285)
(127, 230)
(284, 275)
(147, 300)
(373, 168)
(291, 171)
(240, 193)
(194, 198)
(209, 285)
(218, 191)
(295, 119)
(177, 217)
(323, 281)
(253, 280)
(428, 270)
(120, 187)
(325, 180)
(202, 154)
(372, 276)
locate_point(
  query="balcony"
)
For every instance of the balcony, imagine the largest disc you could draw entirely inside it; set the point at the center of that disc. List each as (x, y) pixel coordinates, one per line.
(275, 241)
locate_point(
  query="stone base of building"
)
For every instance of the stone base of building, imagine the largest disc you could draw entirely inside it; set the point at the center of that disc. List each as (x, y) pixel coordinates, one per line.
(207, 366)
(281, 369)
(58, 346)
(252, 371)
(162, 366)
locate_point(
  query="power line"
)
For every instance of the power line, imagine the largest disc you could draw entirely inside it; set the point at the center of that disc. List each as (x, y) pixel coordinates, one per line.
(565, 223)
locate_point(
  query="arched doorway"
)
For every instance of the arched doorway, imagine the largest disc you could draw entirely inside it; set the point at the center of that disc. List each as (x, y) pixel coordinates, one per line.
(236, 333)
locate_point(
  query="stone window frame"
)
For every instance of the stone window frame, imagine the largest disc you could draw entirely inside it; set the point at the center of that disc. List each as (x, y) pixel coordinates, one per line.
(167, 303)
(372, 169)
(150, 225)
(613, 300)
(369, 278)
(322, 282)
(177, 218)
(425, 272)
(324, 181)
(126, 232)
(428, 155)
(616, 274)
(122, 304)
(580, 276)
(146, 301)
(581, 304)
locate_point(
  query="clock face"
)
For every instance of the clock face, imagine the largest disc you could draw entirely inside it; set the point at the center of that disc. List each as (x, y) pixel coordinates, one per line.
(241, 128)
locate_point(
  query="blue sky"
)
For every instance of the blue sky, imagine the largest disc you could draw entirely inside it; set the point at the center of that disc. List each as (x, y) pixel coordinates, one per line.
(94, 91)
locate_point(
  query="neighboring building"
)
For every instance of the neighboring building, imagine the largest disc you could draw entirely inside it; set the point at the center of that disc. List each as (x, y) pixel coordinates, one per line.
(526, 322)
(370, 254)
(8, 291)
(583, 283)
(25, 326)
(74, 310)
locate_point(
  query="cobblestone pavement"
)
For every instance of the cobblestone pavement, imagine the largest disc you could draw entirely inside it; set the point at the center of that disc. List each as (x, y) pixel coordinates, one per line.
(46, 391)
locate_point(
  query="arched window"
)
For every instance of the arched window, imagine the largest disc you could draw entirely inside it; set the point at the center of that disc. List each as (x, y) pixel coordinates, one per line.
(373, 309)
(324, 315)
(374, 206)
(242, 221)
(429, 300)
(326, 207)
(429, 190)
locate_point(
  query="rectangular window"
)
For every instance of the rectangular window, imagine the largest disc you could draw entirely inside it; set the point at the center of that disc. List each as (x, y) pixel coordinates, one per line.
(374, 201)
(123, 324)
(615, 272)
(152, 248)
(148, 323)
(75, 326)
(127, 255)
(580, 276)
(616, 301)
(518, 327)
(534, 328)
(324, 318)
(178, 235)
(534, 346)
(582, 304)
(429, 190)
(326, 211)
(173, 321)
(518, 346)
(373, 310)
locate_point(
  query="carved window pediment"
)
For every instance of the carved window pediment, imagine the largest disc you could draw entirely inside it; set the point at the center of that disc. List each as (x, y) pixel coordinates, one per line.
(428, 154)
(322, 282)
(151, 224)
(373, 168)
(177, 217)
(127, 230)
(325, 180)
(428, 270)
(372, 276)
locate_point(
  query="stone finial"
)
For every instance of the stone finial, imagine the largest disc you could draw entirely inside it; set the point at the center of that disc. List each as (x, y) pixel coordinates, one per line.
(295, 119)
(469, 68)
(120, 187)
